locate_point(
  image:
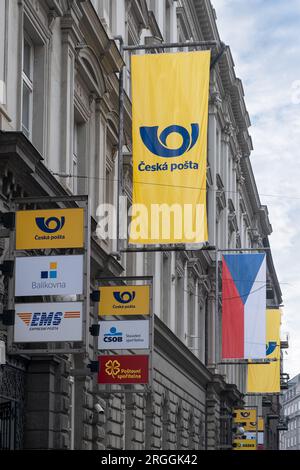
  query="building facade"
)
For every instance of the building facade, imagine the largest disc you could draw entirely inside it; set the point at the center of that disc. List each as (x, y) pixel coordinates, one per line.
(290, 402)
(59, 107)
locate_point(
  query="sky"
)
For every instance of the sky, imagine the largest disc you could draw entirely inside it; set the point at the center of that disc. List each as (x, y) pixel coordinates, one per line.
(263, 36)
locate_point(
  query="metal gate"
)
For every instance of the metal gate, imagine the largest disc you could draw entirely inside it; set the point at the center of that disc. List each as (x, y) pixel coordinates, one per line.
(8, 425)
(11, 407)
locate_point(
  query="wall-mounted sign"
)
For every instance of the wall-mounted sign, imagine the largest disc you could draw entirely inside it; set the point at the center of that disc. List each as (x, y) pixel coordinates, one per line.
(123, 369)
(56, 321)
(244, 444)
(124, 300)
(252, 435)
(131, 334)
(49, 275)
(245, 416)
(50, 228)
(252, 425)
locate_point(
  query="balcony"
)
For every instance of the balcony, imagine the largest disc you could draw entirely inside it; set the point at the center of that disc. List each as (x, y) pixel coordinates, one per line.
(284, 379)
(284, 343)
(283, 424)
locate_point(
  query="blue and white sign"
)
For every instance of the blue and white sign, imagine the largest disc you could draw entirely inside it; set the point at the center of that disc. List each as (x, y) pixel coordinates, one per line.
(129, 334)
(55, 321)
(49, 275)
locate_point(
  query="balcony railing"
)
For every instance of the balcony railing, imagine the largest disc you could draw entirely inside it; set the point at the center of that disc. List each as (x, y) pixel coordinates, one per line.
(284, 379)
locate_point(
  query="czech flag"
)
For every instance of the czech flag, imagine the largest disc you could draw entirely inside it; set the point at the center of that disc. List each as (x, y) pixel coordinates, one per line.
(244, 306)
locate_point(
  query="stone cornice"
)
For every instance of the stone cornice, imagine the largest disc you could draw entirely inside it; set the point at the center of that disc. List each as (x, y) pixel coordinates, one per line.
(97, 37)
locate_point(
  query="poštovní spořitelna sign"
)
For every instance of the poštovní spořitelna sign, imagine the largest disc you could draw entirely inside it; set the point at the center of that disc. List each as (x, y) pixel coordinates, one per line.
(49, 228)
(124, 300)
(131, 369)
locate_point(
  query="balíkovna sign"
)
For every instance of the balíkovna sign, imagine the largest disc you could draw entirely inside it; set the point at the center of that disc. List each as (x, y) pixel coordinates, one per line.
(123, 369)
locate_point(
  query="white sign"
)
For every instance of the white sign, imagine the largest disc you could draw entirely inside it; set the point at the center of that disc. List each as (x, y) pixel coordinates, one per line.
(252, 435)
(49, 275)
(56, 321)
(130, 334)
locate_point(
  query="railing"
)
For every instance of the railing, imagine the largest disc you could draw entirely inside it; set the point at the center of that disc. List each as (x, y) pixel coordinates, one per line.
(284, 379)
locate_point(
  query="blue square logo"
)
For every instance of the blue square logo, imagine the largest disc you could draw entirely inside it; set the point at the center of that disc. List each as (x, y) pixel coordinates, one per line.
(44, 275)
(53, 274)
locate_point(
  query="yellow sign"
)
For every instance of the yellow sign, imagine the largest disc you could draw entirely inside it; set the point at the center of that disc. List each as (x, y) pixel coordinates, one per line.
(169, 131)
(245, 416)
(251, 426)
(261, 424)
(50, 228)
(124, 300)
(265, 378)
(244, 444)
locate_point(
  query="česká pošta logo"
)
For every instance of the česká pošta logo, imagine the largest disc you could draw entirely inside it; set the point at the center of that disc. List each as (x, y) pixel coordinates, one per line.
(51, 226)
(157, 144)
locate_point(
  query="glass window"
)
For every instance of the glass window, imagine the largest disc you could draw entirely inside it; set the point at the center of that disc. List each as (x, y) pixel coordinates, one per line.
(27, 65)
(75, 159)
(27, 86)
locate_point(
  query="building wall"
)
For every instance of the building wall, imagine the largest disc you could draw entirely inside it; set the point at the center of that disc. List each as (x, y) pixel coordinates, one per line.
(60, 87)
(290, 401)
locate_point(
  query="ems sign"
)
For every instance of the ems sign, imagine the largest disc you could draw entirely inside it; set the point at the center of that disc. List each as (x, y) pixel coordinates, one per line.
(50, 228)
(43, 322)
(124, 334)
(49, 275)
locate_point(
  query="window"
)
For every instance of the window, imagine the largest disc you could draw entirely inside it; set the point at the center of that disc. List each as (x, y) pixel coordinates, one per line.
(179, 308)
(166, 287)
(74, 167)
(168, 22)
(27, 86)
(78, 156)
(3, 48)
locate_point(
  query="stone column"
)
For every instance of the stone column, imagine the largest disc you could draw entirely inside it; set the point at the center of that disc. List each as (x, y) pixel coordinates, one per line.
(40, 404)
(212, 417)
(211, 327)
(69, 41)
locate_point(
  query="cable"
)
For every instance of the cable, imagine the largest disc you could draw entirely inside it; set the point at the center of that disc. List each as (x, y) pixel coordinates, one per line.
(70, 175)
(230, 298)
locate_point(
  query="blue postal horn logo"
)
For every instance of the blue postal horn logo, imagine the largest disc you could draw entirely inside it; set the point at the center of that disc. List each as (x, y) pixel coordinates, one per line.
(47, 225)
(124, 297)
(158, 144)
(270, 347)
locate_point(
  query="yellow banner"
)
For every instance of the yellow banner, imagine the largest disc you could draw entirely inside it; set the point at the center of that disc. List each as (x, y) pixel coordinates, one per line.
(53, 228)
(169, 131)
(244, 444)
(244, 416)
(265, 378)
(124, 300)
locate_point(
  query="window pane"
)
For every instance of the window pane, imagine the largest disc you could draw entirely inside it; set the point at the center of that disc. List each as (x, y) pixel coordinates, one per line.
(27, 58)
(26, 110)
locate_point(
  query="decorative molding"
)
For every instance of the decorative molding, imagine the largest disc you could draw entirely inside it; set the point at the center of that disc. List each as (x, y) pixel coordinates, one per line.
(215, 100)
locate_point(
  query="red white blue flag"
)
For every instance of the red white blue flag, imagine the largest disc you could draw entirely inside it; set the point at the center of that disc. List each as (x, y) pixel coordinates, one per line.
(244, 306)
